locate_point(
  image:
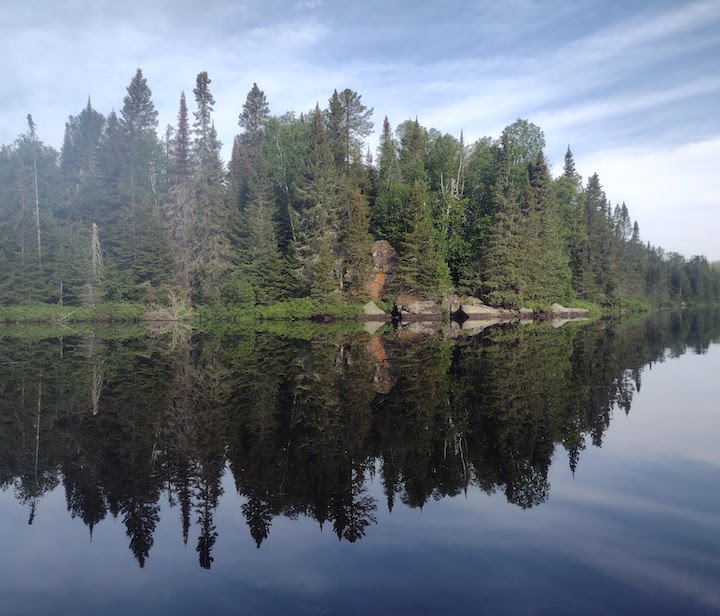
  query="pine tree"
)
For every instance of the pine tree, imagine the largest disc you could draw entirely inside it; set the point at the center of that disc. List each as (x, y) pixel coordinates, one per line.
(334, 119)
(259, 255)
(138, 119)
(79, 164)
(317, 217)
(596, 277)
(502, 259)
(179, 211)
(551, 269)
(212, 259)
(386, 211)
(357, 247)
(413, 151)
(421, 268)
(181, 166)
(356, 125)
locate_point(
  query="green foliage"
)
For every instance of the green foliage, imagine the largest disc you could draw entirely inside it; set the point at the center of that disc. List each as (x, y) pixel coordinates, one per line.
(52, 313)
(421, 268)
(119, 217)
(307, 308)
(119, 313)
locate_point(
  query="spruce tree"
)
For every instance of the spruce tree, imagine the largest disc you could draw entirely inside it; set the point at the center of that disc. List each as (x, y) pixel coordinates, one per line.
(317, 217)
(79, 164)
(421, 268)
(261, 263)
(357, 247)
(180, 212)
(552, 272)
(502, 260)
(334, 118)
(212, 259)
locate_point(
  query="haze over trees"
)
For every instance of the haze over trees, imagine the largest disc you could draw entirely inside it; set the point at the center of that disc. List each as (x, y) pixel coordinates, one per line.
(125, 213)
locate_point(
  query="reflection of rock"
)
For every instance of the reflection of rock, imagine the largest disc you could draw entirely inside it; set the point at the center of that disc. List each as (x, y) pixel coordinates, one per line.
(383, 379)
(417, 329)
(451, 330)
(526, 314)
(376, 348)
(558, 311)
(371, 327)
(384, 265)
(413, 308)
(471, 327)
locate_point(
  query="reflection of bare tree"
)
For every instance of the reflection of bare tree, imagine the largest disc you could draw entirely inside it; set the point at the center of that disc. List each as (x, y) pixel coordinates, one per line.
(457, 445)
(33, 502)
(36, 478)
(179, 429)
(97, 386)
(94, 353)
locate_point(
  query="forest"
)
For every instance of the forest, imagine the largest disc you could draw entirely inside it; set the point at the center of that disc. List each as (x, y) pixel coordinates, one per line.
(126, 212)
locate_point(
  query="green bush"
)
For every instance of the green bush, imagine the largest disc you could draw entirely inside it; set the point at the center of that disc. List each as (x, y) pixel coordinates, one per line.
(306, 308)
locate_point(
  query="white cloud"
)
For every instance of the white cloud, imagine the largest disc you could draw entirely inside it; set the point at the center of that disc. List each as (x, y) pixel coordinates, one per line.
(672, 192)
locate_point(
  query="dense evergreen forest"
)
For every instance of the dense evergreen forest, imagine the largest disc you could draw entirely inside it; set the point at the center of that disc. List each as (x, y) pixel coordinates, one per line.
(123, 213)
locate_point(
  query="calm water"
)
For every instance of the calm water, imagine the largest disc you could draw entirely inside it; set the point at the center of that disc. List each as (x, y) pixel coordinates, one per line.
(522, 470)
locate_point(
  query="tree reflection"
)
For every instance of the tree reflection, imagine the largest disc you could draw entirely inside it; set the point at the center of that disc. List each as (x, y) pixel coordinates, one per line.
(302, 422)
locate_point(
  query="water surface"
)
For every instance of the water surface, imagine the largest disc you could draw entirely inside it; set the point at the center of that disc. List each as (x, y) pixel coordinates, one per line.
(524, 470)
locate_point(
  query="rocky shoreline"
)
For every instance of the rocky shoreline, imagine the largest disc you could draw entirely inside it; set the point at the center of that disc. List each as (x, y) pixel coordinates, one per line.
(411, 308)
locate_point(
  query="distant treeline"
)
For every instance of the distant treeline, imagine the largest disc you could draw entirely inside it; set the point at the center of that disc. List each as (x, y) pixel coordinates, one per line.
(122, 213)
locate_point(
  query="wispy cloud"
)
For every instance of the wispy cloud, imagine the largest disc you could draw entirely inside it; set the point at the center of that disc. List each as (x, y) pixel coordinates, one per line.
(671, 191)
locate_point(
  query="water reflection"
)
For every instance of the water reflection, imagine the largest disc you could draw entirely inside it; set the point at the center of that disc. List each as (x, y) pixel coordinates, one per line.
(303, 422)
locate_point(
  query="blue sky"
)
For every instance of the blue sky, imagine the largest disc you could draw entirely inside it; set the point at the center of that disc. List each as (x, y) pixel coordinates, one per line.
(633, 87)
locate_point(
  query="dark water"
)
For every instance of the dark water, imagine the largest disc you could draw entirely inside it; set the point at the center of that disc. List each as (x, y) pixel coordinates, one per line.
(523, 470)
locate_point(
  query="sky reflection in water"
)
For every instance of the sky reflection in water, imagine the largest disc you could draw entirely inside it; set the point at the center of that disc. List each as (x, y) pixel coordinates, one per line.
(634, 530)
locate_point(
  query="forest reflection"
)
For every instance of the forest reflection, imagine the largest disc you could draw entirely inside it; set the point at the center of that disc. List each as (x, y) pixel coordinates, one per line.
(303, 421)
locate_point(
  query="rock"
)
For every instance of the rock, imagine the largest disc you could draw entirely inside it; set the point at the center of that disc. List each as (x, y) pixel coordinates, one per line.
(479, 311)
(384, 266)
(374, 313)
(451, 303)
(413, 308)
(526, 313)
(384, 257)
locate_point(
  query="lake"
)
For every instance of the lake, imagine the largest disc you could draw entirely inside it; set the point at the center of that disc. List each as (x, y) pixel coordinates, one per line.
(300, 469)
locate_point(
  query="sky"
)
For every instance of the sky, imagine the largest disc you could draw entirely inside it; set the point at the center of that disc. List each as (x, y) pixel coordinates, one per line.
(632, 87)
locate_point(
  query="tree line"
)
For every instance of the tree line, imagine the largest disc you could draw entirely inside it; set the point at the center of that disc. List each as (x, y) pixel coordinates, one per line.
(125, 213)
